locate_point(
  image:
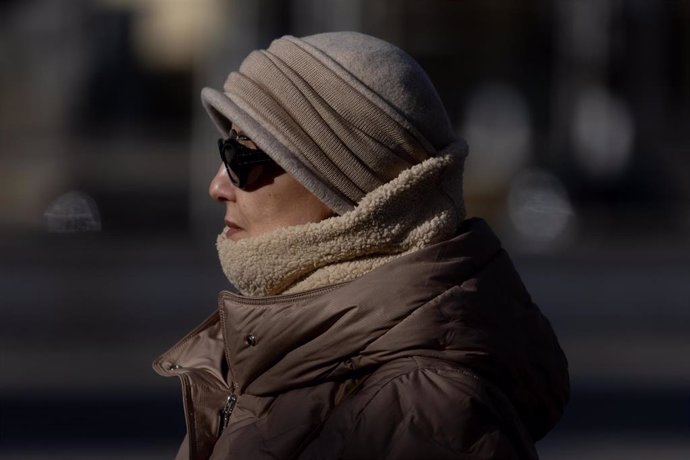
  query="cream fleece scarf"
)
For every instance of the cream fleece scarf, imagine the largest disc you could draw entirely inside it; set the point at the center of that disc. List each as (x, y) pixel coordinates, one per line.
(422, 206)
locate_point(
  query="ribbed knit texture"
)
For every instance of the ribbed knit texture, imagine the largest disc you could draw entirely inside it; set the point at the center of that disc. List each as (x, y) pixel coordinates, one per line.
(338, 136)
(334, 129)
(418, 208)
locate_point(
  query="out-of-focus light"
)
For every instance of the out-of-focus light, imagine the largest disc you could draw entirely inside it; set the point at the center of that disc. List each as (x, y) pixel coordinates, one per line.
(602, 132)
(171, 33)
(73, 212)
(497, 127)
(539, 209)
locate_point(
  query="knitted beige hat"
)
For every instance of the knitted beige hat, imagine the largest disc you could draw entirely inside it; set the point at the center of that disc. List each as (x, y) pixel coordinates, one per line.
(342, 112)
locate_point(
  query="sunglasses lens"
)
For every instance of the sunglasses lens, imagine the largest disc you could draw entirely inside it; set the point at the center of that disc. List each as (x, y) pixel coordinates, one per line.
(240, 162)
(228, 154)
(234, 177)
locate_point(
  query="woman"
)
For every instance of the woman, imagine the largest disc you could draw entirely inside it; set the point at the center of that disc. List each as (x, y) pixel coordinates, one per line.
(373, 320)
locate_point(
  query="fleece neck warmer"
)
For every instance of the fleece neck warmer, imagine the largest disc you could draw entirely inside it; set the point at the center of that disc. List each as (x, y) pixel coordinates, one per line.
(422, 206)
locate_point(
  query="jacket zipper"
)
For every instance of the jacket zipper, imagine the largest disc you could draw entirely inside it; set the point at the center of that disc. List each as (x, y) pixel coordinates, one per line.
(227, 409)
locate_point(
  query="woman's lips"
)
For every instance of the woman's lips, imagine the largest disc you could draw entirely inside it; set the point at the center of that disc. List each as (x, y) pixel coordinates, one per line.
(231, 228)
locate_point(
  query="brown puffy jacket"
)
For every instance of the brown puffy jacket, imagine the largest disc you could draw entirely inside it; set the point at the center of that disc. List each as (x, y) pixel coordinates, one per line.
(438, 354)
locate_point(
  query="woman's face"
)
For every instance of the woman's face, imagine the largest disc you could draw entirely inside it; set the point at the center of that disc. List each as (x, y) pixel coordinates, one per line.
(273, 201)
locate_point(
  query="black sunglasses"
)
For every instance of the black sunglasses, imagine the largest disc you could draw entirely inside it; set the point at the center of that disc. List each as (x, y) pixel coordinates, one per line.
(240, 159)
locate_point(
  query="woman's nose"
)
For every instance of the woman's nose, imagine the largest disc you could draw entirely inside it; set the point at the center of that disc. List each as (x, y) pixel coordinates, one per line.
(220, 188)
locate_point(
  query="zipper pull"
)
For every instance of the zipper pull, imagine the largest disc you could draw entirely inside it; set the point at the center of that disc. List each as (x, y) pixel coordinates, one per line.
(226, 412)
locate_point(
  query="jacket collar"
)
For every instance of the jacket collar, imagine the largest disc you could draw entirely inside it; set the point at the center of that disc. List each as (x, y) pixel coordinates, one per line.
(279, 342)
(324, 332)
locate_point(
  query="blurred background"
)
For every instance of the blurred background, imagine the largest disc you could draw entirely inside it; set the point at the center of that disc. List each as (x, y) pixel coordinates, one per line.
(577, 113)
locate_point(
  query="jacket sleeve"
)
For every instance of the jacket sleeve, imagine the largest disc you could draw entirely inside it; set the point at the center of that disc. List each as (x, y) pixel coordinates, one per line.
(424, 413)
